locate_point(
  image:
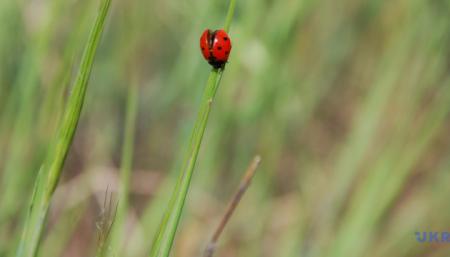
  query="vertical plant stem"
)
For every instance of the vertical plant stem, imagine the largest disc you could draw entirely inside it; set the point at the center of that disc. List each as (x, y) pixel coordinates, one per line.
(116, 238)
(230, 15)
(166, 233)
(50, 171)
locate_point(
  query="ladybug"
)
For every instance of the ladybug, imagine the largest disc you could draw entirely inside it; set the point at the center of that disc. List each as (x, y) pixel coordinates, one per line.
(215, 47)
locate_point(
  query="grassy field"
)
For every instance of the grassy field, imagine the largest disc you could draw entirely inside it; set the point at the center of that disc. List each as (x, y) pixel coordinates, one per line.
(347, 103)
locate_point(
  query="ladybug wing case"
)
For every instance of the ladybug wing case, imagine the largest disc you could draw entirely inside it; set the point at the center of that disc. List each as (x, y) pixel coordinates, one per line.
(204, 44)
(221, 46)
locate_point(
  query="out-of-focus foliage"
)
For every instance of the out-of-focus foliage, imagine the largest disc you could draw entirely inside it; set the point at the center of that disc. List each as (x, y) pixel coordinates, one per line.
(347, 102)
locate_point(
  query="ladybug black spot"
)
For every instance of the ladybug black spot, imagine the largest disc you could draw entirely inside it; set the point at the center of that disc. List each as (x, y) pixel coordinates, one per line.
(219, 48)
(225, 38)
(203, 48)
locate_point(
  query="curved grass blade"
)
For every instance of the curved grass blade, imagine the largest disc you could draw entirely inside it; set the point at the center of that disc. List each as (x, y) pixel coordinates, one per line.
(50, 171)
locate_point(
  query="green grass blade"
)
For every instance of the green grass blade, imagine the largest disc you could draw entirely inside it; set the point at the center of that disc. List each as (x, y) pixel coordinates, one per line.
(230, 15)
(166, 233)
(116, 237)
(163, 241)
(50, 171)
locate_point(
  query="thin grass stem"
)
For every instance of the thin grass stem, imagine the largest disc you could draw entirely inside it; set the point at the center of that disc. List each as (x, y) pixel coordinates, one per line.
(116, 237)
(243, 186)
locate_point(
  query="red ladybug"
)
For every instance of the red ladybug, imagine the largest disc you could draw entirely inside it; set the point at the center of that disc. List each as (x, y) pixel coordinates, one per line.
(216, 47)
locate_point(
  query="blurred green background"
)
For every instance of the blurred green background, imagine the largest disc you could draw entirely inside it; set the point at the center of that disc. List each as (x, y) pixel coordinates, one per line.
(347, 102)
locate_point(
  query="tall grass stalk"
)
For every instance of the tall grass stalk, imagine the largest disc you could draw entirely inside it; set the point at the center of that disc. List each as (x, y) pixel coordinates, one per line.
(50, 171)
(166, 232)
(116, 237)
(163, 240)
